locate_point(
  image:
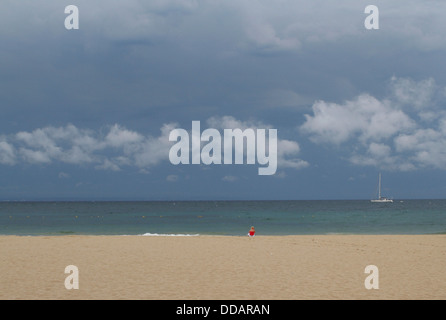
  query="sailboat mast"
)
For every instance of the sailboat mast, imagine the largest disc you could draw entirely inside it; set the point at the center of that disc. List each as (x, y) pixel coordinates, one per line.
(379, 186)
(380, 199)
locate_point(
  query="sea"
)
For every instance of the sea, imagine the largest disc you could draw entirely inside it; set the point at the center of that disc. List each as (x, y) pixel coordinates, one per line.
(228, 218)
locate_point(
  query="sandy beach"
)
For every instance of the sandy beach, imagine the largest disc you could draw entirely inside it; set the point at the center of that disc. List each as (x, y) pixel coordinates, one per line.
(224, 267)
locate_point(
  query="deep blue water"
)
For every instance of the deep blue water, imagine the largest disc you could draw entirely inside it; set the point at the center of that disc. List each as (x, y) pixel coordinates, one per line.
(223, 217)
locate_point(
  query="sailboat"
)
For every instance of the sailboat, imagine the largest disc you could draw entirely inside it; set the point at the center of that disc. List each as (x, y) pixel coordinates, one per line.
(381, 198)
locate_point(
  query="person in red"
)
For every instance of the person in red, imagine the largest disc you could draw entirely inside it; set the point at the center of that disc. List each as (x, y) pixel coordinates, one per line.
(252, 232)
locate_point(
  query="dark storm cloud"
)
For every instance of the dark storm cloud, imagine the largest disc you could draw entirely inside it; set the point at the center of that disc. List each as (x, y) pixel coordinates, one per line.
(289, 64)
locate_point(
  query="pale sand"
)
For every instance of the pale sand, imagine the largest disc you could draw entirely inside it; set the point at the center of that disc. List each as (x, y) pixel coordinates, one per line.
(220, 267)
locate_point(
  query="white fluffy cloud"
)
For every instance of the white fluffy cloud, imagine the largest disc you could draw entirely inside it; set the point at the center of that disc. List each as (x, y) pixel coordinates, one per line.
(71, 145)
(115, 147)
(365, 118)
(7, 153)
(392, 133)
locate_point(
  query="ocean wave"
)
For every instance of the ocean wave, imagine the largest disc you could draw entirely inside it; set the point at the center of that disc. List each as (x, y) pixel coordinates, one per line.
(169, 235)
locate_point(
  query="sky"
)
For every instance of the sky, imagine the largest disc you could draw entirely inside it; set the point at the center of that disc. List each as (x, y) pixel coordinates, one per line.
(86, 113)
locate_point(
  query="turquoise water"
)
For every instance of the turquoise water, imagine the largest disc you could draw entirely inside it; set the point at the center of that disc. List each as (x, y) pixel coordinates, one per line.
(223, 217)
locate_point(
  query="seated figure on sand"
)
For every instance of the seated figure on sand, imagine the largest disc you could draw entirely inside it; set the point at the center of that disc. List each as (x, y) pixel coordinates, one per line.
(252, 232)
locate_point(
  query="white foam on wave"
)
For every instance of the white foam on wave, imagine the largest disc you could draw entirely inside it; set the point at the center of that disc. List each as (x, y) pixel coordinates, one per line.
(169, 235)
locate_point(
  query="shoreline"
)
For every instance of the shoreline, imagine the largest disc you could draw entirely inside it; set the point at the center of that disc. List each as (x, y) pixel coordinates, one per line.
(224, 235)
(212, 267)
